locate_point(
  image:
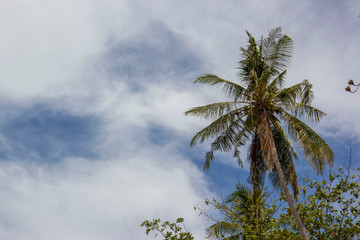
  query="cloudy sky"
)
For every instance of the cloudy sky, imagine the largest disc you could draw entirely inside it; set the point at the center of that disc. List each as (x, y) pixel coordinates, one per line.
(93, 138)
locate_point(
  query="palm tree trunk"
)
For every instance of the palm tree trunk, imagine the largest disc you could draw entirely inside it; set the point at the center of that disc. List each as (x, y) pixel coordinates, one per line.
(288, 197)
(268, 147)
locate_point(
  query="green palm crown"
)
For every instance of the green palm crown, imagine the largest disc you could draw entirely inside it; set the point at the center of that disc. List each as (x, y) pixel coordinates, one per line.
(264, 113)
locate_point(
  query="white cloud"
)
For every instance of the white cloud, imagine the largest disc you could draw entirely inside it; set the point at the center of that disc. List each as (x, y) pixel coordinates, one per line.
(47, 43)
(81, 199)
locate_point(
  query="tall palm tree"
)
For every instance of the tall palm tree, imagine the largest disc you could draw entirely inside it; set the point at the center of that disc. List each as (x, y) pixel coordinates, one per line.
(242, 212)
(265, 112)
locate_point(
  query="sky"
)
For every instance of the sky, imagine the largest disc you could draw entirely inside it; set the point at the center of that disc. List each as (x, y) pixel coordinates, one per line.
(93, 136)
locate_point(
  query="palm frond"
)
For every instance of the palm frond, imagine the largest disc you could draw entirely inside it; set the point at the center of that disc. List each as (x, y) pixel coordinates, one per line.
(269, 42)
(277, 51)
(213, 110)
(240, 195)
(307, 94)
(284, 141)
(251, 61)
(315, 149)
(243, 199)
(277, 82)
(242, 137)
(225, 142)
(217, 127)
(286, 97)
(236, 155)
(308, 112)
(230, 89)
(297, 99)
(223, 228)
(208, 159)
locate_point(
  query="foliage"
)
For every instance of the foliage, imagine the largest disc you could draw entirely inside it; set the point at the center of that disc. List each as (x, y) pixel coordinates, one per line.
(244, 216)
(330, 209)
(169, 231)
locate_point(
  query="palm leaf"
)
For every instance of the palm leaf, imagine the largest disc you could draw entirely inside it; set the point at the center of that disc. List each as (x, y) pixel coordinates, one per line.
(278, 81)
(309, 112)
(230, 89)
(252, 61)
(315, 149)
(213, 110)
(226, 141)
(217, 127)
(286, 97)
(307, 94)
(221, 229)
(277, 51)
(269, 42)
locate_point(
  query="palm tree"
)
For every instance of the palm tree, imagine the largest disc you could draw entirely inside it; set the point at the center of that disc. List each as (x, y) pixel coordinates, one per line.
(242, 213)
(265, 112)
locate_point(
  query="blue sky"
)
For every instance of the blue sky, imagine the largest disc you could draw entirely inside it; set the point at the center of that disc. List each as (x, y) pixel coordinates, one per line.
(48, 134)
(93, 137)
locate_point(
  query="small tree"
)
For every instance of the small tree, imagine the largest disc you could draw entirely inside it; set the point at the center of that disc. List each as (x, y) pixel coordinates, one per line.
(330, 209)
(169, 231)
(244, 216)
